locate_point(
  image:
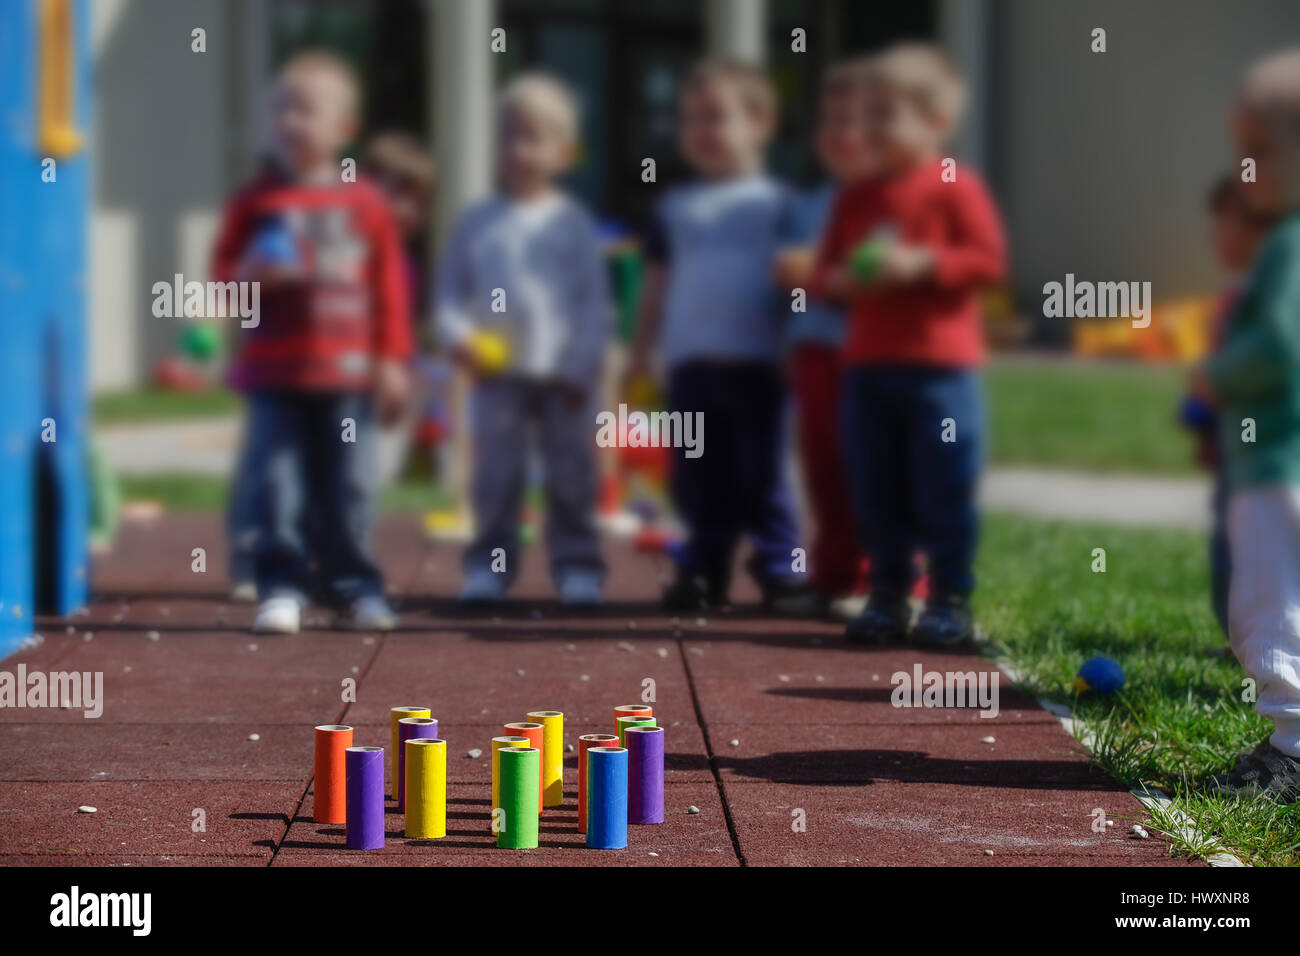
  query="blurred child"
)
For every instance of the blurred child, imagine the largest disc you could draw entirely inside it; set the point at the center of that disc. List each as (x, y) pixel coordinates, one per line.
(1254, 378)
(712, 307)
(907, 250)
(522, 301)
(327, 356)
(404, 170)
(1236, 234)
(815, 335)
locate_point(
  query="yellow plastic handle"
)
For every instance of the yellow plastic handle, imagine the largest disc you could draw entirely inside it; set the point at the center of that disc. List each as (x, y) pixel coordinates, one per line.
(57, 134)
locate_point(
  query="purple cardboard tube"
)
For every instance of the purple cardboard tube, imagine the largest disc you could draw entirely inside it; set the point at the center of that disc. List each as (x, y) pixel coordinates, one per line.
(364, 768)
(645, 774)
(407, 728)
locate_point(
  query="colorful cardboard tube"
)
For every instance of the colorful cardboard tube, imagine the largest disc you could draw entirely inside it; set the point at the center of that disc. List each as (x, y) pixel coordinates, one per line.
(535, 733)
(626, 722)
(365, 789)
(632, 710)
(606, 798)
(409, 728)
(426, 787)
(329, 781)
(394, 715)
(552, 722)
(510, 740)
(515, 821)
(585, 742)
(645, 774)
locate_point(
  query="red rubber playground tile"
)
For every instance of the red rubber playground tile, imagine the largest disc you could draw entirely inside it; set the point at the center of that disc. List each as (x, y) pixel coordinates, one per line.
(145, 818)
(93, 750)
(1021, 757)
(683, 838)
(200, 713)
(796, 702)
(227, 654)
(130, 699)
(889, 823)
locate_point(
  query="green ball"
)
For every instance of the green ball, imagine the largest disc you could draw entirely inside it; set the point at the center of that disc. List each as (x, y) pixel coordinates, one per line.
(866, 259)
(201, 341)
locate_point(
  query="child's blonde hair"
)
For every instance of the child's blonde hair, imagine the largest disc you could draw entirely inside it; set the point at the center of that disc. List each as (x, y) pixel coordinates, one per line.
(751, 83)
(545, 96)
(923, 75)
(1270, 93)
(331, 64)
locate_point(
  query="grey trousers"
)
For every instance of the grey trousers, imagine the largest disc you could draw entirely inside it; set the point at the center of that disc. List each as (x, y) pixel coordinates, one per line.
(510, 418)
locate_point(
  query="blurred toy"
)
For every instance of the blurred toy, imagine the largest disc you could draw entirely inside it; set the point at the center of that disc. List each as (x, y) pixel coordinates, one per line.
(274, 247)
(201, 341)
(865, 260)
(176, 374)
(1100, 675)
(491, 350)
(1196, 414)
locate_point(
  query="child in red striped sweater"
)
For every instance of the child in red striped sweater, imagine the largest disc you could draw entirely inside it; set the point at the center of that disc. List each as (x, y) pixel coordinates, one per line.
(326, 357)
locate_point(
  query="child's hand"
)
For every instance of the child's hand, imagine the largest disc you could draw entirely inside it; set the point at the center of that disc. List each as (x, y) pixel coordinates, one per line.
(793, 266)
(843, 286)
(903, 265)
(392, 390)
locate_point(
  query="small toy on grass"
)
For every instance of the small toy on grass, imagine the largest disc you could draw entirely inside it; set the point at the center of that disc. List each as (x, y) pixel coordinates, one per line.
(1100, 675)
(1196, 414)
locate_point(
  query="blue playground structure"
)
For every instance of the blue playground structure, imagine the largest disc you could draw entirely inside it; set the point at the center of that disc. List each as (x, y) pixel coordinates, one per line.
(45, 87)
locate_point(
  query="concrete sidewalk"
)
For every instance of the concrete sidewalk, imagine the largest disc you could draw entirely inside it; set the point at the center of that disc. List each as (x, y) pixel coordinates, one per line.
(782, 737)
(208, 446)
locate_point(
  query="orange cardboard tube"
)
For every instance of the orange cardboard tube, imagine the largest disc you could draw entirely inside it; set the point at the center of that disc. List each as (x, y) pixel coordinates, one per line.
(330, 782)
(632, 710)
(535, 734)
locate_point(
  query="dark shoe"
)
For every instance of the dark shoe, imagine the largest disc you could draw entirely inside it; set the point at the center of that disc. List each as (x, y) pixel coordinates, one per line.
(792, 598)
(883, 621)
(692, 592)
(945, 622)
(1264, 770)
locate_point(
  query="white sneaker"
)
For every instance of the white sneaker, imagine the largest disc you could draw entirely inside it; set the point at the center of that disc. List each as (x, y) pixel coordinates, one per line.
(244, 592)
(278, 615)
(371, 613)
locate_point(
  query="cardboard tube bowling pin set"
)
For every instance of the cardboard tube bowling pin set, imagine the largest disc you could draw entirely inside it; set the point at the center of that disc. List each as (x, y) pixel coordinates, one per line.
(620, 778)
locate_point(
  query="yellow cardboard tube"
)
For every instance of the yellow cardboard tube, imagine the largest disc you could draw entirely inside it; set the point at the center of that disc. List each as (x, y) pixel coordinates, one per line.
(395, 714)
(497, 744)
(552, 722)
(426, 788)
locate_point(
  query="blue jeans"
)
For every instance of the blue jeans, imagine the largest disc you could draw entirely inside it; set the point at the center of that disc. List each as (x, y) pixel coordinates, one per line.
(911, 489)
(737, 486)
(298, 465)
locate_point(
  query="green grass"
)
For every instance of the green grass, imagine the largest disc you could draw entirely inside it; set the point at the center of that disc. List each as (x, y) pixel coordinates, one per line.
(194, 492)
(1180, 717)
(131, 406)
(1101, 417)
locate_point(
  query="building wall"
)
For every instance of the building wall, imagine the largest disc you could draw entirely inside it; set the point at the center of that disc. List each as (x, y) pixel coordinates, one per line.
(1103, 160)
(161, 163)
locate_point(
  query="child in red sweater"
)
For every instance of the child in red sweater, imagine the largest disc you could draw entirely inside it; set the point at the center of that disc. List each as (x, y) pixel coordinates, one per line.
(326, 355)
(907, 251)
